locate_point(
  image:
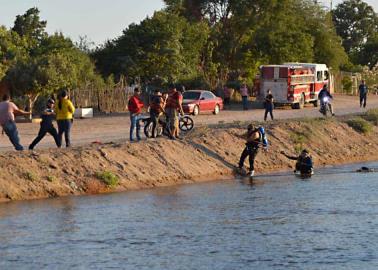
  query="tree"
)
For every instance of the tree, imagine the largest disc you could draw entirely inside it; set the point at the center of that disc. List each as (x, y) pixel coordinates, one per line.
(165, 46)
(355, 22)
(369, 52)
(11, 48)
(29, 25)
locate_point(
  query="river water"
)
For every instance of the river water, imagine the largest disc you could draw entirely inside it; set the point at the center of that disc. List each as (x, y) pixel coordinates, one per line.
(280, 222)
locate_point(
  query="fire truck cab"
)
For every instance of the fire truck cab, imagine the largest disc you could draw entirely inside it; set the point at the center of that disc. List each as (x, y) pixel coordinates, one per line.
(293, 83)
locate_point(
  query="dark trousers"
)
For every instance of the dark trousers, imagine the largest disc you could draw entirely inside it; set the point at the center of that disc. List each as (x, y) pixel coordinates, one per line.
(64, 126)
(269, 110)
(10, 129)
(245, 102)
(363, 100)
(251, 152)
(155, 120)
(42, 133)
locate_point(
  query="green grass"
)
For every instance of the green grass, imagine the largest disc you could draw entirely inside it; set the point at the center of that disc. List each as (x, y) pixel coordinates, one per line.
(50, 178)
(30, 176)
(360, 125)
(110, 179)
(372, 116)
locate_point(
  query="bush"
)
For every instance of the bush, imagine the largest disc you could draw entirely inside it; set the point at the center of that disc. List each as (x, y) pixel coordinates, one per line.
(372, 116)
(30, 176)
(108, 178)
(347, 85)
(360, 125)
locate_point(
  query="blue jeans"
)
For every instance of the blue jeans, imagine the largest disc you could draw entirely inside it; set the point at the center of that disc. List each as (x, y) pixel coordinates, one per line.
(134, 123)
(64, 126)
(245, 102)
(11, 130)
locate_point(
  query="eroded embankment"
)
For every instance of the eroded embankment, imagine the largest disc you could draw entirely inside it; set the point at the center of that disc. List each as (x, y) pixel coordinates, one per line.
(205, 154)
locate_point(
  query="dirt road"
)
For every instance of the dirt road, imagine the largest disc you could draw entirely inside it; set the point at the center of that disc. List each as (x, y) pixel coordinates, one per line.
(116, 128)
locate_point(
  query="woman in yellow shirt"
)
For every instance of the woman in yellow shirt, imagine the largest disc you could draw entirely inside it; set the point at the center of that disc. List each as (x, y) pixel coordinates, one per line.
(64, 117)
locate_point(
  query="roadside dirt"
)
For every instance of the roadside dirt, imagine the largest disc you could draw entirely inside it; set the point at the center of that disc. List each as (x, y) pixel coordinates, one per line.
(207, 153)
(116, 128)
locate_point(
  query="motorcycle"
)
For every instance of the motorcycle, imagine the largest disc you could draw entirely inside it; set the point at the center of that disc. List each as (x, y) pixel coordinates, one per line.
(186, 124)
(325, 108)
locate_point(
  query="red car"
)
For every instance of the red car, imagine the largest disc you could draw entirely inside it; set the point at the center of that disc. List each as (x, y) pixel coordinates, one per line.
(196, 101)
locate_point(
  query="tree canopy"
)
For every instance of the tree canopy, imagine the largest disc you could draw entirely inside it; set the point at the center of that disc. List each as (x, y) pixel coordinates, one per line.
(36, 63)
(356, 23)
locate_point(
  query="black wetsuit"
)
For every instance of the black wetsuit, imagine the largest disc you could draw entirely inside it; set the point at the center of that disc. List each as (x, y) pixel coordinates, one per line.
(303, 165)
(251, 149)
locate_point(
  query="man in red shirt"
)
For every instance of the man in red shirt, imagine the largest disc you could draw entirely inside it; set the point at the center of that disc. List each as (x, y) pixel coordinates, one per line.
(172, 108)
(135, 106)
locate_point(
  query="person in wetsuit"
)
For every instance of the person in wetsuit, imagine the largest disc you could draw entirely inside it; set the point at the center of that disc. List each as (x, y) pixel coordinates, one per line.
(304, 162)
(253, 142)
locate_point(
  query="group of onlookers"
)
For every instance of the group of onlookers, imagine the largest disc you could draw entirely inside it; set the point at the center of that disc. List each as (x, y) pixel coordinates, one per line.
(167, 104)
(63, 113)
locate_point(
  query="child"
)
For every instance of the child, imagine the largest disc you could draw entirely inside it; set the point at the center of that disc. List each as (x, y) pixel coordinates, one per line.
(47, 125)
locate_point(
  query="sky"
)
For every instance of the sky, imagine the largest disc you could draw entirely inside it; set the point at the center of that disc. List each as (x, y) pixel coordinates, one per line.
(99, 20)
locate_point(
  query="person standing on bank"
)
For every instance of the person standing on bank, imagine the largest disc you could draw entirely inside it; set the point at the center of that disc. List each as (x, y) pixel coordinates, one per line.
(64, 117)
(156, 110)
(269, 105)
(135, 106)
(363, 91)
(244, 95)
(8, 110)
(172, 108)
(47, 125)
(254, 139)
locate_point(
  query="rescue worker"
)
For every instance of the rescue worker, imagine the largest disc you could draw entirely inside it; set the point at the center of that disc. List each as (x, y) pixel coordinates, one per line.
(325, 93)
(156, 110)
(304, 163)
(47, 125)
(253, 141)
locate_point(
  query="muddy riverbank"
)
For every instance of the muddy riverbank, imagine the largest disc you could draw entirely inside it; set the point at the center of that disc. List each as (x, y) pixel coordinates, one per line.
(205, 154)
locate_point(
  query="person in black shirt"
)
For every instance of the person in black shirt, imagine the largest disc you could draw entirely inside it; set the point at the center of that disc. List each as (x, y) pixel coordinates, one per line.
(47, 125)
(269, 105)
(363, 91)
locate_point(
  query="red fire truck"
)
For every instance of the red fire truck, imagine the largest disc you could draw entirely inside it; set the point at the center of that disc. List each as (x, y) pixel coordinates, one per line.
(293, 83)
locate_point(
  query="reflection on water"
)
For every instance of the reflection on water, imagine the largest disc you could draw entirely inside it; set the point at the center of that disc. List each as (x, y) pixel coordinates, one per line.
(281, 222)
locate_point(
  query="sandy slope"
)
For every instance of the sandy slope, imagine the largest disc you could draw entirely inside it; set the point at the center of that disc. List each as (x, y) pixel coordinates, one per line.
(207, 153)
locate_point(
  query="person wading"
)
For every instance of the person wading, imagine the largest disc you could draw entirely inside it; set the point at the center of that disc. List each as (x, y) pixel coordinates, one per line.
(304, 163)
(8, 110)
(172, 108)
(135, 106)
(254, 139)
(64, 117)
(47, 125)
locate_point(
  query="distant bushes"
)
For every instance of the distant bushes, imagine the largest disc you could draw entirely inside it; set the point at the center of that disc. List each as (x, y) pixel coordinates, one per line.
(372, 116)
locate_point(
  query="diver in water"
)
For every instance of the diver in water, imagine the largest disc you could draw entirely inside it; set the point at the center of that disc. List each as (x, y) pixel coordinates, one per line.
(304, 163)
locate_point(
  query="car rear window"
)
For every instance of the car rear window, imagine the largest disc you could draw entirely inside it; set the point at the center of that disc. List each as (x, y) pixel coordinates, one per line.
(191, 95)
